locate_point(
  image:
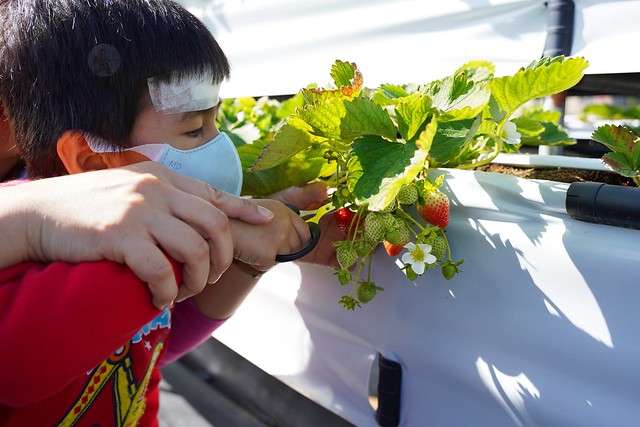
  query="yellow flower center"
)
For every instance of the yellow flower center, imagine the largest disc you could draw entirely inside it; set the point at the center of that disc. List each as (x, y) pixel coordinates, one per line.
(417, 254)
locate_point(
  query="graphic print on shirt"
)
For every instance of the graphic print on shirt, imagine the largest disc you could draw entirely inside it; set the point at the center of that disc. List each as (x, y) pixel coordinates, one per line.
(117, 370)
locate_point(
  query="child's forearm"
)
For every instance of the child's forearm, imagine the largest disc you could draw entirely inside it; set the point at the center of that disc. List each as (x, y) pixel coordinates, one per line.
(13, 227)
(220, 300)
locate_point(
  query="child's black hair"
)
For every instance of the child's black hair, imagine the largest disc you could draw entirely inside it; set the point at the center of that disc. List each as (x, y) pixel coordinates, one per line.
(84, 64)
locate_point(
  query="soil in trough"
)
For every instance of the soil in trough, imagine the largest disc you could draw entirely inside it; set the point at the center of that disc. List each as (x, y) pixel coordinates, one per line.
(560, 174)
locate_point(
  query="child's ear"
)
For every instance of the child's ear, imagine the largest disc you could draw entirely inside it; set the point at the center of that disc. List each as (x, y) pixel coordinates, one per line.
(75, 154)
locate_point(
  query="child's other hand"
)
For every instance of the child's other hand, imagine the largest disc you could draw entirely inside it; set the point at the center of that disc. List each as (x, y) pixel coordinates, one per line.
(325, 253)
(309, 197)
(258, 245)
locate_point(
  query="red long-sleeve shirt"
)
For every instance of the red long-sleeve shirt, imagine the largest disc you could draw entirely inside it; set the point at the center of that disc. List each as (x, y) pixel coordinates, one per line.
(79, 345)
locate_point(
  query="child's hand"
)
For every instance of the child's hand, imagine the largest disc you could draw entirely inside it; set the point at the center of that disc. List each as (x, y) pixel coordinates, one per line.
(258, 245)
(310, 197)
(134, 215)
(325, 253)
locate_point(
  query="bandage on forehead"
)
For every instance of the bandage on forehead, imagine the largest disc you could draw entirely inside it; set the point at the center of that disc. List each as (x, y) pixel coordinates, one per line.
(180, 95)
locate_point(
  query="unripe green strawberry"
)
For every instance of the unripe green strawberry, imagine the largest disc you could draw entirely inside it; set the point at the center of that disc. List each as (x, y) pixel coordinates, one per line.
(449, 269)
(344, 276)
(388, 221)
(435, 209)
(366, 291)
(373, 227)
(400, 223)
(390, 207)
(399, 236)
(439, 248)
(363, 246)
(346, 254)
(407, 195)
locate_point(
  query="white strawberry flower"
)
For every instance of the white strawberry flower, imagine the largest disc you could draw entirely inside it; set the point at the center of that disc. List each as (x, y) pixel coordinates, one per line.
(417, 256)
(510, 134)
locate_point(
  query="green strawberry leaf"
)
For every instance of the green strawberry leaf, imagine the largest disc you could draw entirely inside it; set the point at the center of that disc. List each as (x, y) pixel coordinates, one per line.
(458, 96)
(621, 164)
(375, 186)
(552, 135)
(297, 171)
(616, 138)
(365, 117)
(294, 137)
(380, 182)
(450, 140)
(345, 74)
(625, 144)
(478, 70)
(289, 106)
(542, 115)
(388, 94)
(539, 79)
(412, 115)
(528, 126)
(346, 77)
(325, 118)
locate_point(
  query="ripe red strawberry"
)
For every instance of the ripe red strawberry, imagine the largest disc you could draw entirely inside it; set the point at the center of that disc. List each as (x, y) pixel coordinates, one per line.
(435, 209)
(392, 250)
(344, 218)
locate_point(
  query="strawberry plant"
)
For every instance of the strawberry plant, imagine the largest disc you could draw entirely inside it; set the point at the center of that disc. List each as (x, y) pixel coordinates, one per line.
(375, 146)
(624, 143)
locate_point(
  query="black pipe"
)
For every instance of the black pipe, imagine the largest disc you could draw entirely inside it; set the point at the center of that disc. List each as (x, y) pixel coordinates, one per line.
(604, 204)
(389, 392)
(560, 22)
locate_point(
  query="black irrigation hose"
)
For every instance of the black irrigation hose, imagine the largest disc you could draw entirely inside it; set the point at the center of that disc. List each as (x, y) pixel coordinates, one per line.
(560, 23)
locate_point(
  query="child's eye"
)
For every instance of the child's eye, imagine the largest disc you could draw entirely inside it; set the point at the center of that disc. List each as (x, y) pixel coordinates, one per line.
(195, 133)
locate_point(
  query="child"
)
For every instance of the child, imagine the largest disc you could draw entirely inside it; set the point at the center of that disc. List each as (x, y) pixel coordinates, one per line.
(94, 84)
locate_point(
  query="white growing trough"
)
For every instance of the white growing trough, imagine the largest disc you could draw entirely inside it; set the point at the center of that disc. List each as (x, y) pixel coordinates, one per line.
(540, 328)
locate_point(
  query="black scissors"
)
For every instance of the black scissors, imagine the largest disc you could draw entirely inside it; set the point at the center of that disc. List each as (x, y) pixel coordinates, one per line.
(315, 236)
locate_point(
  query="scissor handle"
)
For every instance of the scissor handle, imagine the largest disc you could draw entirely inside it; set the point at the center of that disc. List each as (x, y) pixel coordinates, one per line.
(315, 236)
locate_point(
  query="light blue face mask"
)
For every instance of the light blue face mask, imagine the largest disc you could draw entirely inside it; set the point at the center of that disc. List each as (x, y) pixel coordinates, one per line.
(217, 162)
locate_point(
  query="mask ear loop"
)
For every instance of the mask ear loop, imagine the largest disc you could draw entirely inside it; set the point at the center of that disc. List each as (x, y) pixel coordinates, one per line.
(98, 145)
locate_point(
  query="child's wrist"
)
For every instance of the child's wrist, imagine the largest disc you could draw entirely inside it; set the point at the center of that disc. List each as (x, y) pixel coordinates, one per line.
(248, 269)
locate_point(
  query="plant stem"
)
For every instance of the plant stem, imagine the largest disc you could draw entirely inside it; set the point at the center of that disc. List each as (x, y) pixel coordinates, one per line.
(496, 150)
(447, 242)
(411, 219)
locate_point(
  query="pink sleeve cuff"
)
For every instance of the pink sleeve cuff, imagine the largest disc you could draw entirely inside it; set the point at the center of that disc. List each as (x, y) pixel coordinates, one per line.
(189, 329)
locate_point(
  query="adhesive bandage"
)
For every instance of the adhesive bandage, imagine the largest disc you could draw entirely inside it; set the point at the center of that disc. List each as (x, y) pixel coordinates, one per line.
(179, 95)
